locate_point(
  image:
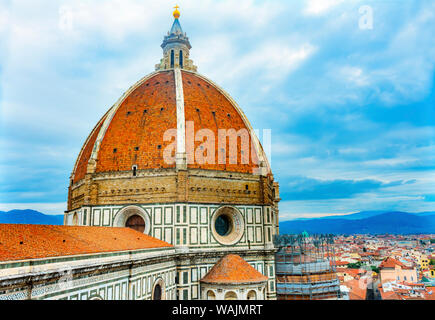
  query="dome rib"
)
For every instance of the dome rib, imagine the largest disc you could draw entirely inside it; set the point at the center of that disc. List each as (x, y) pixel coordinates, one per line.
(80, 166)
(113, 111)
(138, 126)
(258, 148)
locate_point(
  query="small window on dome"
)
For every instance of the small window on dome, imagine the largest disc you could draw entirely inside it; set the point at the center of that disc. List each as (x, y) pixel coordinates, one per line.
(161, 109)
(115, 150)
(136, 148)
(128, 113)
(145, 111)
(159, 146)
(134, 168)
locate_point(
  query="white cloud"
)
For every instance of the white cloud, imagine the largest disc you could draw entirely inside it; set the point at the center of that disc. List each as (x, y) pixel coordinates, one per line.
(59, 76)
(364, 202)
(388, 162)
(271, 61)
(355, 75)
(316, 7)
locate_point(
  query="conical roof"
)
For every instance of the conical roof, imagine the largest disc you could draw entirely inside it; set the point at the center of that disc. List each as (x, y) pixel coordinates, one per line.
(233, 269)
(176, 27)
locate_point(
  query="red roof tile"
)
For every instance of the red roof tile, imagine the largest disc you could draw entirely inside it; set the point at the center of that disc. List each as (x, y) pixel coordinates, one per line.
(233, 269)
(137, 128)
(357, 289)
(26, 241)
(391, 263)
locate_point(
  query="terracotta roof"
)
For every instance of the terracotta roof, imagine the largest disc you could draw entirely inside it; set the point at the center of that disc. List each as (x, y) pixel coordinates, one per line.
(85, 153)
(233, 269)
(137, 127)
(391, 263)
(209, 109)
(357, 289)
(389, 295)
(27, 241)
(140, 122)
(339, 263)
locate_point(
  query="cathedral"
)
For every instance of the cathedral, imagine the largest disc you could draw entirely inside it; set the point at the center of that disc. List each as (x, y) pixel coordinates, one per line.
(171, 197)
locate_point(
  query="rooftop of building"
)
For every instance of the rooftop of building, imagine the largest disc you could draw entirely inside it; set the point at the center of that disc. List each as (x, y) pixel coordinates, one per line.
(233, 269)
(392, 263)
(27, 241)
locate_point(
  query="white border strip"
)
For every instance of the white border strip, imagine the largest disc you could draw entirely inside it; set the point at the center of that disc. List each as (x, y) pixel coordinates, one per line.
(113, 110)
(257, 144)
(181, 123)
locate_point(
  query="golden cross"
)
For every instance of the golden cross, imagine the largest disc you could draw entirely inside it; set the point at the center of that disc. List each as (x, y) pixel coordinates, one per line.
(176, 7)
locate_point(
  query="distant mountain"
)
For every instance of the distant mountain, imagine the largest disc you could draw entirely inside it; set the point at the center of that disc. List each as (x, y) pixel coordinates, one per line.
(372, 222)
(29, 217)
(352, 216)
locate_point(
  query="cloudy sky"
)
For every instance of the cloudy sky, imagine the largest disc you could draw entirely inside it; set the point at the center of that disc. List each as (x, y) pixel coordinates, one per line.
(350, 99)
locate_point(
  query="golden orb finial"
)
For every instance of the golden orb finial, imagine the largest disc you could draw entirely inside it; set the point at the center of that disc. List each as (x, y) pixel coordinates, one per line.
(176, 12)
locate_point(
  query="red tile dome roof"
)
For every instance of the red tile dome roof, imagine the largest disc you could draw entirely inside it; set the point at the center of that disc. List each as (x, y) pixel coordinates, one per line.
(233, 269)
(131, 132)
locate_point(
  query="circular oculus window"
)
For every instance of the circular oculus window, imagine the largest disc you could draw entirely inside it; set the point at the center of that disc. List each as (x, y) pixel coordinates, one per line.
(227, 225)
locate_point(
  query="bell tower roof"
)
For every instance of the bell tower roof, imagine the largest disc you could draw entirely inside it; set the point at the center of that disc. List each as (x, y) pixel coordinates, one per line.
(176, 47)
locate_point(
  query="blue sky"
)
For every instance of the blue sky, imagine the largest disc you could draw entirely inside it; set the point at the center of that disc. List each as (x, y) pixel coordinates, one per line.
(352, 110)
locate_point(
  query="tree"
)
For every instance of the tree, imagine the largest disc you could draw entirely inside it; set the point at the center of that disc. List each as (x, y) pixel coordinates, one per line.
(355, 265)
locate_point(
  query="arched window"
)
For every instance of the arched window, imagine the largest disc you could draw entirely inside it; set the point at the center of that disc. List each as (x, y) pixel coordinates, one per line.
(172, 58)
(125, 218)
(211, 295)
(181, 59)
(136, 222)
(230, 295)
(157, 295)
(75, 219)
(252, 295)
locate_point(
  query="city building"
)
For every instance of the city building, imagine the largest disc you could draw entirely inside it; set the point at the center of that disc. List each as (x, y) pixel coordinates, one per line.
(305, 268)
(149, 165)
(396, 290)
(394, 270)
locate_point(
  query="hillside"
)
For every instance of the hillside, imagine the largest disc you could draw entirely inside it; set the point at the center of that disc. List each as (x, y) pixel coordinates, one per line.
(383, 222)
(29, 217)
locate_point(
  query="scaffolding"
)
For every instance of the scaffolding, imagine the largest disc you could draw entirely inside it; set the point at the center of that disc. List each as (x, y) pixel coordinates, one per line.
(305, 267)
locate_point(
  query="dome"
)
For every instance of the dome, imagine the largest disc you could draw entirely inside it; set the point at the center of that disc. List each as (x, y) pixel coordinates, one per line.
(233, 269)
(173, 137)
(132, 132)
